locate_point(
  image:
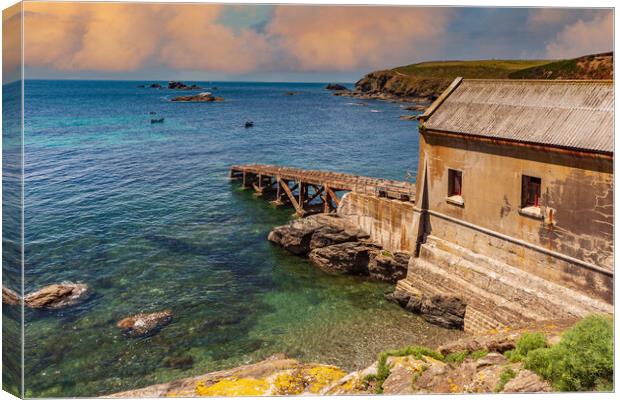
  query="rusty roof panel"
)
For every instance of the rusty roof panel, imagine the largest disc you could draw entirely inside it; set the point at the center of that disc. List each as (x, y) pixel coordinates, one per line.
(570, 114)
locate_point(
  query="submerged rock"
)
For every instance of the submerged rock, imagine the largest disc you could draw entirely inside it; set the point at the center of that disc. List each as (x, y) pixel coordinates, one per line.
(145, 324)
(9, 296)
(155, 86)
(179, 362)
(57, 295)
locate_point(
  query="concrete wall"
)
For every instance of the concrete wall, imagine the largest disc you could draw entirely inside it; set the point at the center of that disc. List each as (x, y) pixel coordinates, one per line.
(389, 222)
(579, 190)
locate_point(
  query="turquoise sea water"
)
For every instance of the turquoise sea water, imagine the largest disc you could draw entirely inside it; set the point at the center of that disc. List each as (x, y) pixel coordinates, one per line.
(144, 214)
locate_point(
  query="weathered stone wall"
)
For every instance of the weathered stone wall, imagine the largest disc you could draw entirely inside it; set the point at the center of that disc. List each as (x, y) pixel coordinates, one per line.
(578, 189)
(389, 222)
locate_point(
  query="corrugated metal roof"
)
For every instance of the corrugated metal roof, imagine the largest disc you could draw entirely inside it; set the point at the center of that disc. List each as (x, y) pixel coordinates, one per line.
(569, 114)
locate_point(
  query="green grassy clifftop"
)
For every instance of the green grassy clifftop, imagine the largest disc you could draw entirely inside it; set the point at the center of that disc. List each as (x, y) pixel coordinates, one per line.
(426, 80)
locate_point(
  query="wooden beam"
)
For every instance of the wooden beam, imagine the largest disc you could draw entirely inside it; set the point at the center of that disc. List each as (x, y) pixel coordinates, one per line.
(289, 193)
(316, 194)
(326, 201)
(333, 196)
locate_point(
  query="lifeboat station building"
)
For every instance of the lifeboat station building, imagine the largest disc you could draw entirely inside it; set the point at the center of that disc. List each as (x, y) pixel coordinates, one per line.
(514, 200)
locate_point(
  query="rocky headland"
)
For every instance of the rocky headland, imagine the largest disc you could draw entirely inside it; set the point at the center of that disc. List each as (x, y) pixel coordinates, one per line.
(423, 82)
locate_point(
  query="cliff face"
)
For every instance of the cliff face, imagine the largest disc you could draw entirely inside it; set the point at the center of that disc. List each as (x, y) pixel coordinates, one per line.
(398, 85)
(423, 82)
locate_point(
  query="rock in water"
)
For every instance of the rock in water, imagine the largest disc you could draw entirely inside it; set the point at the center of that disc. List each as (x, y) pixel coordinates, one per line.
(344, 258)
(179, 362)
(9, 296)
(205, 97)
(145, 324)
(446, 311)
(335, 86)
(389, 267)
(57, 295)
(295, 237)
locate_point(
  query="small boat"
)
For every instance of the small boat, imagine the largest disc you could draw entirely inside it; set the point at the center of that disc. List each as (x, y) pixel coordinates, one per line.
(157, 120)
(249, 124)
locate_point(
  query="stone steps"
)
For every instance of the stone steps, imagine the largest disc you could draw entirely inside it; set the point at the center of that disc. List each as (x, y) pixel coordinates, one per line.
(430, 279)
(496, 294)
(523, 287)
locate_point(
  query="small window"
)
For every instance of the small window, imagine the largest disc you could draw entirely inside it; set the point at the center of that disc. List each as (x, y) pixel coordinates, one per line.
(530, 191)
(455, 182)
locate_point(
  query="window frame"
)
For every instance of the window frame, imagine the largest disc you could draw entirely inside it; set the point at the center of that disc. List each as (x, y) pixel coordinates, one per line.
(453, 196)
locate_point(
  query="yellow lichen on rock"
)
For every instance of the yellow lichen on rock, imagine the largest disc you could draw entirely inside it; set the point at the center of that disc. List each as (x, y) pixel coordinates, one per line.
(289, 383)
(234, 387)
(320, 376)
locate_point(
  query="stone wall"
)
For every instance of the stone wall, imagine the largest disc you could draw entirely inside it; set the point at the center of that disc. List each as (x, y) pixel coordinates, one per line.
(576, 200)
(389, 222)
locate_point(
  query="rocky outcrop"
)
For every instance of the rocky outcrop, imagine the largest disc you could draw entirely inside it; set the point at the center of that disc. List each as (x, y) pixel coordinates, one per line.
(385, 266)
(337, 246)
(335, 86)
(176, 85)
(302, 235)
(526, 382)
(443, 310)
(144, 324)
(205, 97)
(155, 86)
(9, 296)
(57, 296)
(351, 258)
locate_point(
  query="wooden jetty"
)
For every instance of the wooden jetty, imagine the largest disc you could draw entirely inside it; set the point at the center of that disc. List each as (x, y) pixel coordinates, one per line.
(311, 191)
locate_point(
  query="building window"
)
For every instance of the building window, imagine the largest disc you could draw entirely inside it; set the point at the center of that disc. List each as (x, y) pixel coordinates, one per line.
(455, 187)
(455, 181)
(530, 192)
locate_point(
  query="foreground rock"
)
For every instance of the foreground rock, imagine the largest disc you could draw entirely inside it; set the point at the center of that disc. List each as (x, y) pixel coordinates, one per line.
(276, 376)
(145, 324)
(57, 296)
(205, 97)
(335, 86)
(10, 297)
(443, 310)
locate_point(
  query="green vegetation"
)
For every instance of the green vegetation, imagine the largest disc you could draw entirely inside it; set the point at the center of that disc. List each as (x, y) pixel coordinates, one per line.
(505, 377)
(386, 253)
(457, 358)
(583, 360)
(479, 69)
(526, 343)
(478, 354)
(383, 369)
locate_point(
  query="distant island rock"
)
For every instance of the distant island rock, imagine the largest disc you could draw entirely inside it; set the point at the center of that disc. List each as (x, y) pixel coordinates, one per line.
(176, 85)
(335, 86)
(205, 97)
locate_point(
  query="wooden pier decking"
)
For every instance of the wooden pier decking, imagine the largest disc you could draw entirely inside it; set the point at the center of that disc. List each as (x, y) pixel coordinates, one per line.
(302, 187)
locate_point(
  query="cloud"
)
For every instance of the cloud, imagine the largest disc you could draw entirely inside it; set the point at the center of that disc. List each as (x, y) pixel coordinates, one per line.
(341, 38)
(594, 35)
(11, 48)
(121, 37)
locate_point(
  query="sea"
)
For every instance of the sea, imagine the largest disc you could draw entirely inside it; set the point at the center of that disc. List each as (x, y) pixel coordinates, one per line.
(146, 216)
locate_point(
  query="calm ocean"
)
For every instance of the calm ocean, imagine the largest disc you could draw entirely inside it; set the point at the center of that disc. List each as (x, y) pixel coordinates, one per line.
(144, 214)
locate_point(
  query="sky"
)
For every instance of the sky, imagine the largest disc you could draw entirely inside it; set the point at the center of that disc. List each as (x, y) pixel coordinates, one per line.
(214, 42)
